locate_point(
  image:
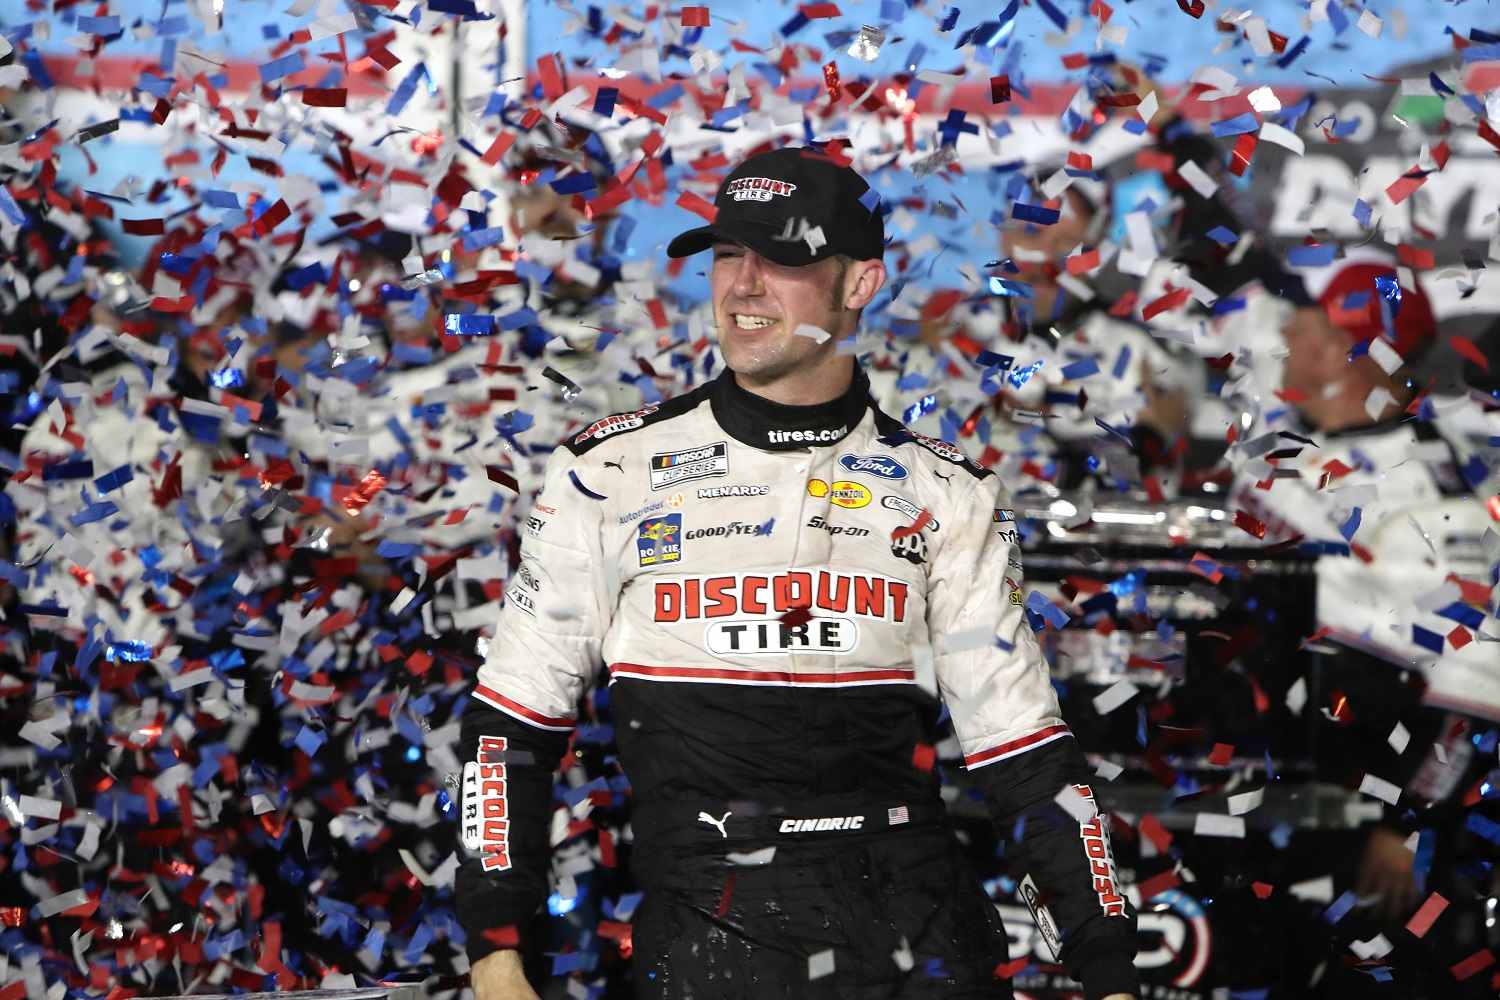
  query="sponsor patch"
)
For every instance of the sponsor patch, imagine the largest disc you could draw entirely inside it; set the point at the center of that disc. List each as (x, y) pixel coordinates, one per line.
(676, 500)
(708, 597)
(659, 540)
(942, 448)
(822, 824)
(636, 515)
(836, 529)
(1004, 514)
(845, 493)
(1095, 836)
(910, 509)
(613, 424)
(534, 526)
(1005, 524)
(715, 492)
(486, 819)
(724, 530)
(912, 548)
(770, 636)
(1029, 894)
(672, 467)
(807, 437)
(758, 189)
(875, 465)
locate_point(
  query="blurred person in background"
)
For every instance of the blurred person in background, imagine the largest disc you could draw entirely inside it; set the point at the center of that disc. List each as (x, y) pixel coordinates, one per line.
(1337, 459)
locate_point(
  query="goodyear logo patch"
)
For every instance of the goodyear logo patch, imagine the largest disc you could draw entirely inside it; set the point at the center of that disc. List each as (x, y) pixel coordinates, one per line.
(659, 540)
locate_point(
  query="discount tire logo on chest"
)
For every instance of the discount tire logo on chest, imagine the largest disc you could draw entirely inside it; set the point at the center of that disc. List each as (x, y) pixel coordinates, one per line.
(669, 468)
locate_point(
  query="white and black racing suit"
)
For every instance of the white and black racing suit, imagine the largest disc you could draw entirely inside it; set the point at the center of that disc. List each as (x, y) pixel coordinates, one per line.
(770, 586)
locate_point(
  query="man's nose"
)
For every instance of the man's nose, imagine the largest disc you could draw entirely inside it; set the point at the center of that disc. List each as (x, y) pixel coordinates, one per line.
(748, 277)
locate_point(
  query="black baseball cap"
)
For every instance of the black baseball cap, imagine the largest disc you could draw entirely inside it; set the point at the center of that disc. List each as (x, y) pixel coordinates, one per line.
(772, 200)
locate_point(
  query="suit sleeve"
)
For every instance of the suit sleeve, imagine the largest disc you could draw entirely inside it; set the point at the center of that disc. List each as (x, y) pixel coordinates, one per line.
(1033, 774)
(515, 728)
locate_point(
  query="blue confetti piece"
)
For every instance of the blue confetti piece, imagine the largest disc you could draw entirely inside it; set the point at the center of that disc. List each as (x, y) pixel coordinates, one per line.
(406, 89)
(1238, 125)
(462, 325)
(1439, 87)
(1341, 906)
(1362, 213)
(578, 485)
(1037, 214)
(1389, 289)
(1478, 53)
(288, 65)
(1122, 363)
(1351, 526)
(1080, 369)
(1318, 255)
(109, 25)
(1485, 827)
(9, 208)
(114, 480)
(1427, 640)
(949, 20)
(309, 740)
(1464, 614)
(1223, 236)
(481, 238)
(570, 962)
(1021, 376)
(1011, 289)
(920, 408)
(524, 316)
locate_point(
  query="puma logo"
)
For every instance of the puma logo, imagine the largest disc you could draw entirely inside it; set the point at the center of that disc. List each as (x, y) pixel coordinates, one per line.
(704, 817)
(941, 476)
(616, 465)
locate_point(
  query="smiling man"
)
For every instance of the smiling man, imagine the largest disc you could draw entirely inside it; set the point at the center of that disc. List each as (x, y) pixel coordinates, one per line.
(782, 581)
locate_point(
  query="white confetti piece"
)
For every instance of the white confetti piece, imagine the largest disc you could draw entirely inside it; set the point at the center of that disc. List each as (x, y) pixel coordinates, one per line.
(1114, 696)
(1148, 107)
(1283, 137)
(75, 550)
(1372, 26)
(1377, 946)
(902, 957)
(1218, 825)
(815, 333)
(1074, 804)
(1314, 890)
(820, 964)
(750, 859)
(941, 79)
(39, 808)
(1108, 771)
(1399, 738)
(1296, 696)
(35, 732)
(54, 905)
(1385, 791)
(964, 640)
(1384, 355)
(1377, 401)
(1245, 801)
(1197, 179)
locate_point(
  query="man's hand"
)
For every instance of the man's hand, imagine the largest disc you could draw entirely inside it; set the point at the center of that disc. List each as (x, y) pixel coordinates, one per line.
(498, 976)
(1385, 873)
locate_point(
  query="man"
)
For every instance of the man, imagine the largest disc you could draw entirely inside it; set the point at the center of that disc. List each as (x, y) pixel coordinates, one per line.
(768, 564)
(1337, 460)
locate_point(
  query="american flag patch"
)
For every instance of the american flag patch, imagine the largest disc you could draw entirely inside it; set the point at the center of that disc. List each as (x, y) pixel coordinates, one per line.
(897, 816)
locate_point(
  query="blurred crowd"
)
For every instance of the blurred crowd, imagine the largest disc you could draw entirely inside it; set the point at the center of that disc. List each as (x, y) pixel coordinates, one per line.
(263, 496)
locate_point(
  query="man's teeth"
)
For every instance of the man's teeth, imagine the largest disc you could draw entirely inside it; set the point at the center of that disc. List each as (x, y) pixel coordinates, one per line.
(752, 322)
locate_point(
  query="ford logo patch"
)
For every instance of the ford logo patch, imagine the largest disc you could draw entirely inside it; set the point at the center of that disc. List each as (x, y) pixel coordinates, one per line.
(885, 468)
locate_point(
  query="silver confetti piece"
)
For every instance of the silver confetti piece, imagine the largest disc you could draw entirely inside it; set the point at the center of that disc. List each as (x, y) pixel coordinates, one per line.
(867, 43)
(934, 161)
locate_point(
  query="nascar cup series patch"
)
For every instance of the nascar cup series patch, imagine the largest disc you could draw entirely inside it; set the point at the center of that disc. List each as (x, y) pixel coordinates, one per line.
(659, 540)
(672, 467)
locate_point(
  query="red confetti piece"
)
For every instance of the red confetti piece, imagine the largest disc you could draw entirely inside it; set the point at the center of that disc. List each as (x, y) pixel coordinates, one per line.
(1222, 754)
(1081, 161)
(1174, 299)
(922, 521)
(503, 937)
(1250, 525)
(1158, 884)
(1262, 889)
(1416, 257)
(549, 68)
(728, 894)
(1402, 187)
(658, 314)
(1121, 101)
(1080, 263)
(1244, 148)
(1192, 8)
(359, 497)
(271, 218)
(812, 11)
(695, 17)
(698, 206)
(1320, 633)
(1488, 134)
(503, 478)
(922, 757)
(1466, 347)
(143, 227)
(1421, 921)
(419, 662)
(831, 80)
(1459, 637)
(325, 97)
(1075, 60)
(1005, 970)
(1440, 155)
(1101, 10)
(1479, 960)
(798, 615)
(1153, 831)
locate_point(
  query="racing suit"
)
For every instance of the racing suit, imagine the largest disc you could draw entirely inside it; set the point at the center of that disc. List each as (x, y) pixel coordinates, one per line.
(771, 586)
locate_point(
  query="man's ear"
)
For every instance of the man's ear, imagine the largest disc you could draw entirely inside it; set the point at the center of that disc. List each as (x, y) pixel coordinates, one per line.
(865, 279)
